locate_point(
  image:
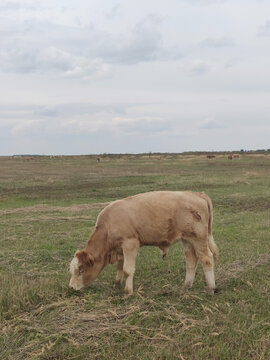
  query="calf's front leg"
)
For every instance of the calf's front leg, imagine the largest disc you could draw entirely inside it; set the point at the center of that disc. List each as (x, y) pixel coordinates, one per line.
(130, 249)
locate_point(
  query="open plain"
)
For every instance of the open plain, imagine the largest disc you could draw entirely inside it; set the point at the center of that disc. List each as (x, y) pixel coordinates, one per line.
(48, 208)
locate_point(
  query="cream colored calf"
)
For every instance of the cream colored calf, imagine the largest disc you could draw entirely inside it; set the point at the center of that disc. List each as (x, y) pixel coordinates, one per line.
(159, 219)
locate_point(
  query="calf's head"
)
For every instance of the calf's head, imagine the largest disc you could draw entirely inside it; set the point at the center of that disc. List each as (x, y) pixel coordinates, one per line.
(84, 270)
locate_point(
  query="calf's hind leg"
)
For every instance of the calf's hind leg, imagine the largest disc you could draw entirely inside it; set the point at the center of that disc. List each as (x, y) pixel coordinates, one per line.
(206, 258)
(191, 263)
(130, 249)
(120, 273)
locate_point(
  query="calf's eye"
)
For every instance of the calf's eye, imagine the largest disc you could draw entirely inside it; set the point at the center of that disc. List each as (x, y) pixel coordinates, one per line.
(81, 271)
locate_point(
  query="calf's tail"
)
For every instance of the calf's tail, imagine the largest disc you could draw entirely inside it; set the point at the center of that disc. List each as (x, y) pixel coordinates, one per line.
(211, 242)
(213, 247)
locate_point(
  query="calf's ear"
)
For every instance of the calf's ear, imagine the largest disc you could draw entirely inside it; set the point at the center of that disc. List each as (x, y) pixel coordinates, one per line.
(85, 258)
(91, 259)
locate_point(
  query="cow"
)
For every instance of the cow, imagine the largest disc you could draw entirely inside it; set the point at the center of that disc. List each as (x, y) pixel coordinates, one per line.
(211, 156)
(158, 218)
(230, 157)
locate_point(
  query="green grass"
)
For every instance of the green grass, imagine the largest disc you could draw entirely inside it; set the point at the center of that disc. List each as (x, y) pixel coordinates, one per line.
(48, 208)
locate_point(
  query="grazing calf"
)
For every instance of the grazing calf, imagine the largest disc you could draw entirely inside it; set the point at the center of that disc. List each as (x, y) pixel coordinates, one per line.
(158, 218)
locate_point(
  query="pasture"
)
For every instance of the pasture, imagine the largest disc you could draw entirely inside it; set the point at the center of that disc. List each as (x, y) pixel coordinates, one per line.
(48, 207)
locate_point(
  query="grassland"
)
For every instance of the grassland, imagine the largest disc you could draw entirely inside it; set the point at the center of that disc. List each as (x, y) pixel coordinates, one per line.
(48, 208)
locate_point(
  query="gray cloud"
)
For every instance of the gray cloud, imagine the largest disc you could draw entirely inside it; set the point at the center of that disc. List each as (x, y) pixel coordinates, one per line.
(143, 43)
(17, 5)
(31, 112)
(198, 67)
(205, 2)
(264, 30)
(114, 11)
(79, 109)
(81, 52)
(21, 59)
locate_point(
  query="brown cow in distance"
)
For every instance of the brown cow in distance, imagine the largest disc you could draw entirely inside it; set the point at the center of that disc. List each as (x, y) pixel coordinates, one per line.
(158, 218)
(211, 156)
(230, 157)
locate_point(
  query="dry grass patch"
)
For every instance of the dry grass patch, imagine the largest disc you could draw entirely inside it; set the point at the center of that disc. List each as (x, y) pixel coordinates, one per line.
(69, 323)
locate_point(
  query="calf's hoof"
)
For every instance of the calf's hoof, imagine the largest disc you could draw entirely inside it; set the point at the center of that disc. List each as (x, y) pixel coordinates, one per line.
(117, 283)
(128, 293)
(188, 285)
(213, 291)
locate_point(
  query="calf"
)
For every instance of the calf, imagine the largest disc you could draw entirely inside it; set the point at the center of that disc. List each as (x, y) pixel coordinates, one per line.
(158, 218)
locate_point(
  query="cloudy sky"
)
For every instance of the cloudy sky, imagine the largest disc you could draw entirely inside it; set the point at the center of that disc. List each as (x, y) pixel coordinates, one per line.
(95, 76)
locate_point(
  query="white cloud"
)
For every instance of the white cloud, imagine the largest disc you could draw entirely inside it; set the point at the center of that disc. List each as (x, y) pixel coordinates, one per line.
(218, 42)
(210, 124)
(79, 119)
(140, 125)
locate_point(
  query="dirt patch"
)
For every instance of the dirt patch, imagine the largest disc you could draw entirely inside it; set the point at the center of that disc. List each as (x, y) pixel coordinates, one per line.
(45, 218)
(47, 208)
(241, 203)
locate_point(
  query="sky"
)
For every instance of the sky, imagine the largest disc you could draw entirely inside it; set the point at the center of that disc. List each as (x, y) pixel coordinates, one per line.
(105, 76)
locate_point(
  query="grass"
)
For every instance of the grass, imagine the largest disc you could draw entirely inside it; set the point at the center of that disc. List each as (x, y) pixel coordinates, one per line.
(48, 208)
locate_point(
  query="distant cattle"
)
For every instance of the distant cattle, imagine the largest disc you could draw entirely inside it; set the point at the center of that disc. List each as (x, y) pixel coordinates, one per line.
(236, 156)
(98, 159)
(210, 156)
(159, 218)
(230, 157)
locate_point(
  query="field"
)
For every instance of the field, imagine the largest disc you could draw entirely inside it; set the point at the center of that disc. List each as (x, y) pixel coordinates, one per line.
(48, 207)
